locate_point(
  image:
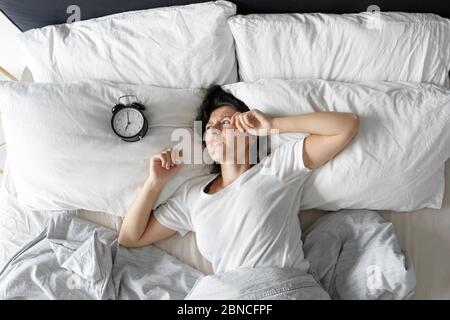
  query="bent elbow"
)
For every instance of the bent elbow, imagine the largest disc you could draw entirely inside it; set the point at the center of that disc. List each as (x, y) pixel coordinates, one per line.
(126, 242)
(354, 124)
(131, 243)
(123, 242)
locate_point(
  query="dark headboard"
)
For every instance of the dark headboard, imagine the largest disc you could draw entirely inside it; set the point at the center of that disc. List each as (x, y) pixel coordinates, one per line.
(29, 14)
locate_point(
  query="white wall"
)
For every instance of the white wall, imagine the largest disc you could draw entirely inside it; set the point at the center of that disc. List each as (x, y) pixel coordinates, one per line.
(9, 53)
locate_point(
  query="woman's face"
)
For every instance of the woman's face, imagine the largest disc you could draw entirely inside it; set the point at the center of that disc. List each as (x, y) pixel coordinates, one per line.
(224, 142)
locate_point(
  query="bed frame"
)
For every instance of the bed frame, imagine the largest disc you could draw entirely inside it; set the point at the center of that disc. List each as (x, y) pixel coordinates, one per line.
(28, 14)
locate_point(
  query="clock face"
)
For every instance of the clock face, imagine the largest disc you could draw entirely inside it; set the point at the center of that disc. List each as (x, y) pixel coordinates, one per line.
(128, 122)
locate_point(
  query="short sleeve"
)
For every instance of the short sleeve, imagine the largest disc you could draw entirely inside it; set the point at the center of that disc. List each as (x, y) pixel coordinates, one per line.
(286, 161)
(174, 213)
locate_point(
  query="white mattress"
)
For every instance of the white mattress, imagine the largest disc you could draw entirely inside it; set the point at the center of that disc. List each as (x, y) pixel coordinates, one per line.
(423, 233)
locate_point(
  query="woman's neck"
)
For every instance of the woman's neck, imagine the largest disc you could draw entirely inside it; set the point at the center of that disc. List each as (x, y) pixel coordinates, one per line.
(231, 172)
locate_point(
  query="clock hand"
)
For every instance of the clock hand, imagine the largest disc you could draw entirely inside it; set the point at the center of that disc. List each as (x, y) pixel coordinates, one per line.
(128, 121)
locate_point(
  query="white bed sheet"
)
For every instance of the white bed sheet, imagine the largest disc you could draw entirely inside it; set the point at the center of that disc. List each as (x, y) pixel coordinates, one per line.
(423, 233)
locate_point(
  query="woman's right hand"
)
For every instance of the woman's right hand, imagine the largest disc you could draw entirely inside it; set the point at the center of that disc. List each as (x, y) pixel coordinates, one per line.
(164, 165)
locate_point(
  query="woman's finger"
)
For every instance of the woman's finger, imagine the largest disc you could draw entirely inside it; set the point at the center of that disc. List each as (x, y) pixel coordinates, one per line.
(163, 159)
(243, 124)
(157, 158)
(174, 156)
(233, 118)
(238, 123)
(168, 158)
(177, 156)
(248, 120)
(252, 130)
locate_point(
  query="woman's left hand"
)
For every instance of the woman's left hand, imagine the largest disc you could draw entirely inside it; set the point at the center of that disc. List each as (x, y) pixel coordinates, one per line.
(254, 122)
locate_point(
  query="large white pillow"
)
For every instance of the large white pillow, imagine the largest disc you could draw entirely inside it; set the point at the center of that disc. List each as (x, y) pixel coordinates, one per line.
(391, 46)
(63, 154)
(180, 46)
(397, 159)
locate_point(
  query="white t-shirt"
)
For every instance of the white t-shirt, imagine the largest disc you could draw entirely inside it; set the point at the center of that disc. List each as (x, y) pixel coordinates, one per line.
(253, 222)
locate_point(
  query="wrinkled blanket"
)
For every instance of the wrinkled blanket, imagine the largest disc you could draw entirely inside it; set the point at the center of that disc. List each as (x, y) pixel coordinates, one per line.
(77, 259)
(353, 254)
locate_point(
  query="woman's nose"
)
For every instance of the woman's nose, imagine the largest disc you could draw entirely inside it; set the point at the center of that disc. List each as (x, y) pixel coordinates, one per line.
(216, 130)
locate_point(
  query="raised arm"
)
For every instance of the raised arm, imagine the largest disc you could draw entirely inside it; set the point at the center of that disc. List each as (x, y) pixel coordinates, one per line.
(139, 227)
(329, 132)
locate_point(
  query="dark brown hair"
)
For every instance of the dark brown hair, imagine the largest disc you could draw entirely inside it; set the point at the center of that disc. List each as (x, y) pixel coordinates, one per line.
(215, 98)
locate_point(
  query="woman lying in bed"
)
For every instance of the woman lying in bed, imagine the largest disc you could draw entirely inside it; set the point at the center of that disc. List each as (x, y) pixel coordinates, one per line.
(245, 215)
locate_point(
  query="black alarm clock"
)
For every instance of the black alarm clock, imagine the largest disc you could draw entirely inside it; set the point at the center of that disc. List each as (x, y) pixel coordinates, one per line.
(128, 120)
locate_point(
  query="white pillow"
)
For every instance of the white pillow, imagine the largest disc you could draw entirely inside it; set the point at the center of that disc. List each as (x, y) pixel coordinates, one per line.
(63, 154)
(179, 46)
(392, 46)
(397, 159)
